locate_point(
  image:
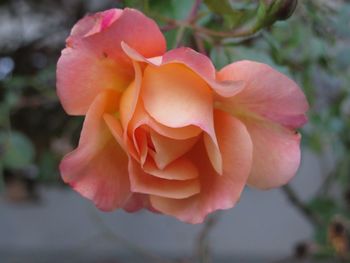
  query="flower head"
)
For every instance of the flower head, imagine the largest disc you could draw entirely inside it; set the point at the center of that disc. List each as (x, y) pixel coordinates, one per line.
(165, 130)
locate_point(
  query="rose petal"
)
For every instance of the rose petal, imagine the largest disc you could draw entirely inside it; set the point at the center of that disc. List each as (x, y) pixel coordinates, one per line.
(213, 152)
(98, 168)
(276, 154)
(96, 62)
(81, 75)
(217, 192)
(130, 97)
(142, 182)
(176, 97)
(141, 144)
(167, 149)
(268, 94)
(202, 66)
(271, 106)
(137, 202)
(180, 169)
(92, 24)
(196, 62)
(141, 117)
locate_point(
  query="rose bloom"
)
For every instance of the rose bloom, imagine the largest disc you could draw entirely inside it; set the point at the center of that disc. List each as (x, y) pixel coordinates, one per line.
(164, 130)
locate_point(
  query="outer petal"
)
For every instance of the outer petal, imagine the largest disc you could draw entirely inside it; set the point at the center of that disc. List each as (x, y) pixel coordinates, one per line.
(138, 201)
(96, 61)
(267, 93)
(82, 75)
(276, 154)
(217, 192)
(271, 106)
(92, 24)
(97, 169)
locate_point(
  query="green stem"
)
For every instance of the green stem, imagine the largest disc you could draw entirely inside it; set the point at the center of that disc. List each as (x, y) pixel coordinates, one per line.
(203, 250)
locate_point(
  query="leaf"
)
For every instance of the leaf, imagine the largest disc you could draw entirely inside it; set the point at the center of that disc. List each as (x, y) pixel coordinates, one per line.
(233, 15)
(18, 151)
(220, 7)
(176, 9)
(48, 167)
(219, 56)
(324, 207)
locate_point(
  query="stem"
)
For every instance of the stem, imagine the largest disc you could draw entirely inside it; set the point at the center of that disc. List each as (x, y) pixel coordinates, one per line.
(238, 32)
(203, 251)
(110, 234)
(294, 199)
(179, 36)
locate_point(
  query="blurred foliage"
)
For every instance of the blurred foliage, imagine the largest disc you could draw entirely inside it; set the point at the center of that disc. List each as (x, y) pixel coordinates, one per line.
(312, 46)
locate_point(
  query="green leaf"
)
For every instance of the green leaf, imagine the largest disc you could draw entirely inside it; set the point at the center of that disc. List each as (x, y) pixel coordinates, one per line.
(18, 151)
(261, 15)
(324, 207)
(48, 167)
(233, 15)
(219, 56)
(176, 9)
(220, 7)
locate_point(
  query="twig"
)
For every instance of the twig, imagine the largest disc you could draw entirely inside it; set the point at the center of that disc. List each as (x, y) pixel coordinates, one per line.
(109, 233)
(239, 32)
(203, 252)
(200, 44)
(294, 199)
(189, 20)
(195, 8)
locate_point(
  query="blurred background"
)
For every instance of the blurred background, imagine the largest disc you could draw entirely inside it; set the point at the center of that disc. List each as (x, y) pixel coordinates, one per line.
(42, 220)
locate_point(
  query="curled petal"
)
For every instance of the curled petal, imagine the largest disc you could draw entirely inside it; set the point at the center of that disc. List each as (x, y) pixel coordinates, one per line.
(141, 117)
(142, 182)
(180, 169)
(217, 192)
(201, 65)
(98, 168)
(198, 62)
(167, 149)
(92, 24)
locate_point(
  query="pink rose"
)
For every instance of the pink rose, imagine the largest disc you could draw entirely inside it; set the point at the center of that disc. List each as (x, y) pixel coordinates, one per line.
(165, 131)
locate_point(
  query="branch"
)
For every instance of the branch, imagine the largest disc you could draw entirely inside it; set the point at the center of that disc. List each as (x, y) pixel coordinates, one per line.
(190, 19)
(294, 199)
(203, 252)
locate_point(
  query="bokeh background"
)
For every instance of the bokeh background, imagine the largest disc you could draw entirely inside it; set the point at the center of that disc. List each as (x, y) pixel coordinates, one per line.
(42, 220)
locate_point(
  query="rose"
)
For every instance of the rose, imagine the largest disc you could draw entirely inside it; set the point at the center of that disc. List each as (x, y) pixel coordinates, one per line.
(165, 131)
